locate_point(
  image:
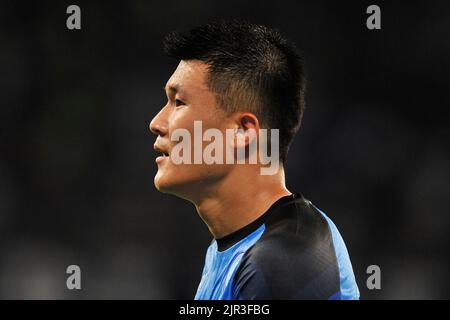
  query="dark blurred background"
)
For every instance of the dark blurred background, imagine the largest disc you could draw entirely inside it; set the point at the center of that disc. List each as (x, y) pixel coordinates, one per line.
(77, 165)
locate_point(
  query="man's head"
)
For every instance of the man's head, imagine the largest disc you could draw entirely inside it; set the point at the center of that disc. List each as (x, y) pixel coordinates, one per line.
(231, 75)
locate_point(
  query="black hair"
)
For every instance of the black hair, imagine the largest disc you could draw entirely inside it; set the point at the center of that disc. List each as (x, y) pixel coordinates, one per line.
(251, 68)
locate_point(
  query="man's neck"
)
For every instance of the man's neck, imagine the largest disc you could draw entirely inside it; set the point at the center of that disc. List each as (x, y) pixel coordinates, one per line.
(237, 201)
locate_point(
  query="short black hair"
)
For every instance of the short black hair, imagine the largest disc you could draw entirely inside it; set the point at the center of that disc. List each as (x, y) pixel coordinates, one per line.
(251, 68)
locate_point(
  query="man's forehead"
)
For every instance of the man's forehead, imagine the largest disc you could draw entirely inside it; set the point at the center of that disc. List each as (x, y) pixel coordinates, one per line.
(188, 75)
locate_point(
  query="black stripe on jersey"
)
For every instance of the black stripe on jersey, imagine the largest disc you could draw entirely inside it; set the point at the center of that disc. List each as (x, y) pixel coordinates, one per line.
(233, 238)
(294, 258)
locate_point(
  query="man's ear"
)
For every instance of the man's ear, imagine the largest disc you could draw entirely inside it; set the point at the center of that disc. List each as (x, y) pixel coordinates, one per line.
(247, 129)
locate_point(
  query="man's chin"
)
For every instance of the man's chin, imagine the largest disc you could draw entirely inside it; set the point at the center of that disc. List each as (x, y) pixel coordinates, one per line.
(159, 184)
(162, 184)
(178, 189)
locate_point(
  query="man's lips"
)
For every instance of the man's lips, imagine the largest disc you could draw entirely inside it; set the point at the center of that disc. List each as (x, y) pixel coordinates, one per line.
(164, 154)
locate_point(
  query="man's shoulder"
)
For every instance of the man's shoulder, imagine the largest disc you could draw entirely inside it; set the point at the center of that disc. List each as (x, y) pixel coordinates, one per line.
(294, 258)
(296, 233)
(296, 226)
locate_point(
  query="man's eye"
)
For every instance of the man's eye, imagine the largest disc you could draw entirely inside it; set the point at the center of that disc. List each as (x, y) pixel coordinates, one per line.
(178, 102)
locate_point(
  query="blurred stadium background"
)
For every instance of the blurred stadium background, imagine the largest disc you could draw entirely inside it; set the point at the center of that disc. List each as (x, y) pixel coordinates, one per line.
(77, 165)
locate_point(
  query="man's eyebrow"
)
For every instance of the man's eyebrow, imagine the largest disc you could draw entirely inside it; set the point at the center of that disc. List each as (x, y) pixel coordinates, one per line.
(174, 88)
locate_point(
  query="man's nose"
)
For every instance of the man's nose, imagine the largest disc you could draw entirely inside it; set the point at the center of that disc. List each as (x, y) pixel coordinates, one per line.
(158, 125)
